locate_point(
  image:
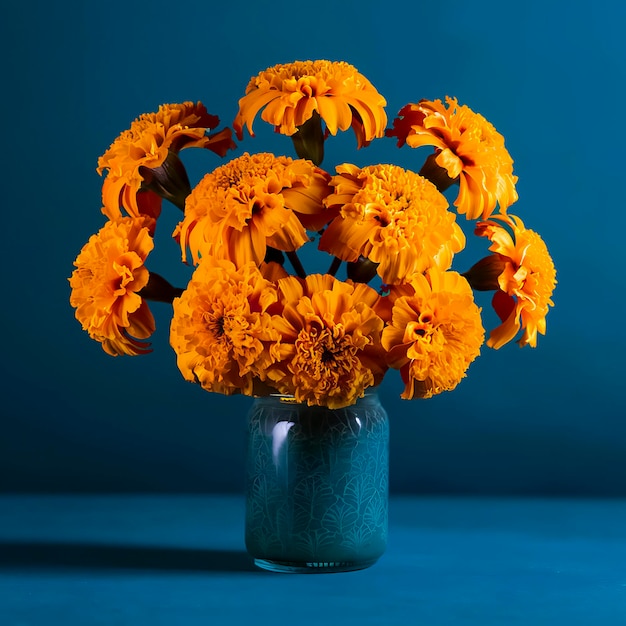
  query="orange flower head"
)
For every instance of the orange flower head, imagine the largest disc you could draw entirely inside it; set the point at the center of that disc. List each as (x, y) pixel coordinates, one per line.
(434, 334)
(289, 94)
(221, 330)
(106, 284)
(526, 282)
(393, 217)
(145, 148)
(467, 147)
(329, 349)
(252, 202)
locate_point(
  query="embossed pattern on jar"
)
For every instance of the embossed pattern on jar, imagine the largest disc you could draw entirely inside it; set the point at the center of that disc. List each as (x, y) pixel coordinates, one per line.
(317, 485)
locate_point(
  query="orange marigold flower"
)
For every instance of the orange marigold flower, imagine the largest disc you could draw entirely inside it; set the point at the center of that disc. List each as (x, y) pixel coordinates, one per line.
(434, 334)
(221, 330)
(252, 202)
(526, 281)
(291, 93)
(329, 350)
(467, 147)
(393, 217)
(152, 143)
(109, 275)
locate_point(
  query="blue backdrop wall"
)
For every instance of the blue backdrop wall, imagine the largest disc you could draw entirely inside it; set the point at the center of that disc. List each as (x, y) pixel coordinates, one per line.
(550, 76)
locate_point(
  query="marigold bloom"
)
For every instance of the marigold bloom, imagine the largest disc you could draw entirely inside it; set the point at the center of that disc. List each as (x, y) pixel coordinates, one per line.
(290, 93)
(252, 202)
(467, 146)
(329, 350)
(109, 275)
(526, 282)
(434, 334)
(393, 217)
(221, 330)
(146, 145)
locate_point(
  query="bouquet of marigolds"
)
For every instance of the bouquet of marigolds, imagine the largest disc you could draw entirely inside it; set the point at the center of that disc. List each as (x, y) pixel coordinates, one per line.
(251, 320)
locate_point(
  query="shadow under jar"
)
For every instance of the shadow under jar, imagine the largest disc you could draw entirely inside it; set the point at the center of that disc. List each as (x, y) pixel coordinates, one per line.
(317, 485)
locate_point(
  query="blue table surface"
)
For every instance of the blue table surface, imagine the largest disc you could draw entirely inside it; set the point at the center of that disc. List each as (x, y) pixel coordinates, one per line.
(152, 560)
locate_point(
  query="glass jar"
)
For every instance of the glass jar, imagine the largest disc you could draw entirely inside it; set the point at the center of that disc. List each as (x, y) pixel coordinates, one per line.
(317, 485)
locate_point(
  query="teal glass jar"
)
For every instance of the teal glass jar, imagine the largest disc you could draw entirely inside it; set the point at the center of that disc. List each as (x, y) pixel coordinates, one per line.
(317, 485)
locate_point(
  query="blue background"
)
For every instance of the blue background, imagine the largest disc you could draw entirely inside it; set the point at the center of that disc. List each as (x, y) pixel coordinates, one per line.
(550, 76)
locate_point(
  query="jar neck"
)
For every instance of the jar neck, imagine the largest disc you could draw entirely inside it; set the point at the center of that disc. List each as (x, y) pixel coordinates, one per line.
(370, 396)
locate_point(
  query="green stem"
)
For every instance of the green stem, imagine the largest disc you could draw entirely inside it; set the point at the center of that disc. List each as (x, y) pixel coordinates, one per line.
(159, 290)
(334, 266)
(309, 139)
(362, 271)
(169, 180)
(436, 174)
(296, 264)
